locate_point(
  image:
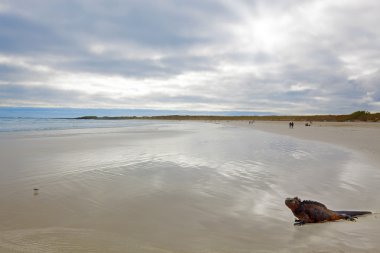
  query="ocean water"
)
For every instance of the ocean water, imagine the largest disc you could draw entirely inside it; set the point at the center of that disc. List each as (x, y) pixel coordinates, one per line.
(35, 112)
(43, 124)
(163, 186)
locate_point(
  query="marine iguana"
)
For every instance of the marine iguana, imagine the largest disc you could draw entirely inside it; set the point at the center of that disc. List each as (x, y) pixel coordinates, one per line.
(309, 211)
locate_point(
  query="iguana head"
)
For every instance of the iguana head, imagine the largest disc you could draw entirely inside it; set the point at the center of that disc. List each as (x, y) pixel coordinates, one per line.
(293, 203)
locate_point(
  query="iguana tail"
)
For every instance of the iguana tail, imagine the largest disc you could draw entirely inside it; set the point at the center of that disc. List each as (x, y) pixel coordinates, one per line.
(353, 213)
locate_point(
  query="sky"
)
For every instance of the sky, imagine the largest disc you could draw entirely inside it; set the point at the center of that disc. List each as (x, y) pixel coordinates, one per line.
(257, 56)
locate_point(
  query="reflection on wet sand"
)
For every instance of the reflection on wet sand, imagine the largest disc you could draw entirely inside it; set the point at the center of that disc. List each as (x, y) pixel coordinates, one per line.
(179, 187)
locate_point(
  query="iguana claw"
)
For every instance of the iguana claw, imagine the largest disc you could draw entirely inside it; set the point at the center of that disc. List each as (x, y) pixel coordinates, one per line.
(299, 223)
(351, 218)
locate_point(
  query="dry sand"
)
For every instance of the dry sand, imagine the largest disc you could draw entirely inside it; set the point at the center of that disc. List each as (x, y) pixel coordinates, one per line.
(363, 137)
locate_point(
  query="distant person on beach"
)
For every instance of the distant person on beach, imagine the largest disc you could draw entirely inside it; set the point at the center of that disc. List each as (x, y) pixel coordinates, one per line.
(291, 124)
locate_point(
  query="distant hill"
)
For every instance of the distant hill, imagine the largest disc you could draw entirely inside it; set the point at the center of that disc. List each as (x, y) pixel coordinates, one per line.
(355, 116)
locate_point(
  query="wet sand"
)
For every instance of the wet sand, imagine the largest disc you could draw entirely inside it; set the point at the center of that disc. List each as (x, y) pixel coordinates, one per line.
(180, 187)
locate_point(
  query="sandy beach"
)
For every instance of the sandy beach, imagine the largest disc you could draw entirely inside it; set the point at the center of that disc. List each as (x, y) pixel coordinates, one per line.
(187, 187)
(363, 137)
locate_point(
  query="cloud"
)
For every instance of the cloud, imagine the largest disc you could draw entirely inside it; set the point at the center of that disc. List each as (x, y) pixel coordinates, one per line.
(286, 57)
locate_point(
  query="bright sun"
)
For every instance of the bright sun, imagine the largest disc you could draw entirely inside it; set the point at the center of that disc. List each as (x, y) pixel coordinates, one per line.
(264, 31)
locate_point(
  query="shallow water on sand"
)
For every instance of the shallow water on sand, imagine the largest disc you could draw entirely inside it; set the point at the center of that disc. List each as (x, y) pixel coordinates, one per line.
(178, 187)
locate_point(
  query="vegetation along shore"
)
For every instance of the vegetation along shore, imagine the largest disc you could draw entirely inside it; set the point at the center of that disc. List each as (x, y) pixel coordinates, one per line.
(355, 116)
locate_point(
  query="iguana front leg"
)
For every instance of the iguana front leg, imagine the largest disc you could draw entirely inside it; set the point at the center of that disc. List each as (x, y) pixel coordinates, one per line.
(299, 222)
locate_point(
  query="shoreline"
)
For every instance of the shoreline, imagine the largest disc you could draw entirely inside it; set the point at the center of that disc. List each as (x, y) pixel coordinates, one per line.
(363, 137)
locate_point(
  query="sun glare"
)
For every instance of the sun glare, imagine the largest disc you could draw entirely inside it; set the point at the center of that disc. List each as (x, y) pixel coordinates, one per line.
(264, 30)
(267, 33)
